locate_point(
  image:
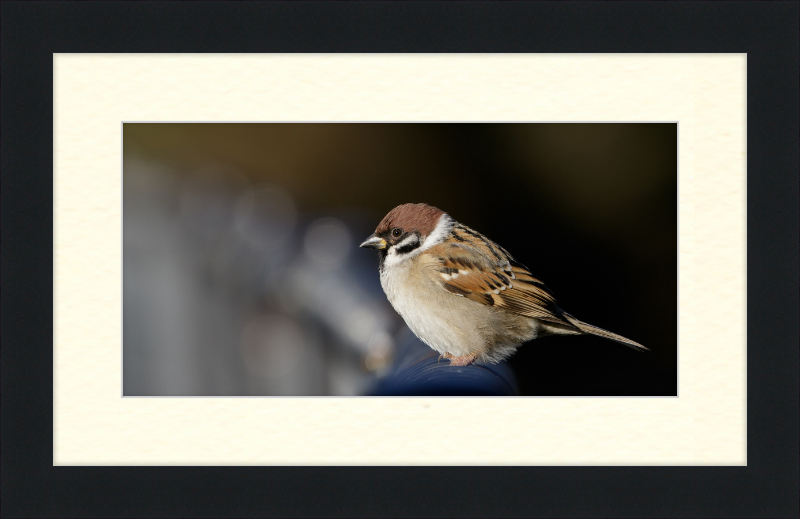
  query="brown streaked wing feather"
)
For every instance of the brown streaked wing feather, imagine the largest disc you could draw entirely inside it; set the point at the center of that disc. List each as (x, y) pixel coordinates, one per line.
(484, 272)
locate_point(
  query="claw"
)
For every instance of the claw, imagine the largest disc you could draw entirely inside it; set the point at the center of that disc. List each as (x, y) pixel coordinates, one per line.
(444, 355)
(466, 360)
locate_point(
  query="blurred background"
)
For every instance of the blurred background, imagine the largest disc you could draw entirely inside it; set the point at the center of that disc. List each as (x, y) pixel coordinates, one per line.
(242, 273)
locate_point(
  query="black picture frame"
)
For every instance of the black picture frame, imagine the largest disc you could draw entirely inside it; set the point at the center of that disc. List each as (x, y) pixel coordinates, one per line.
(766, 31)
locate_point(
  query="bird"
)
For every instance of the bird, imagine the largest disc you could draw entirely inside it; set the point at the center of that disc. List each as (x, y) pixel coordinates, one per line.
(461, 293)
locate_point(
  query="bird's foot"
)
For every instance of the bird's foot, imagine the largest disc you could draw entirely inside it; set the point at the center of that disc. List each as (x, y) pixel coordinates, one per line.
(466, 360)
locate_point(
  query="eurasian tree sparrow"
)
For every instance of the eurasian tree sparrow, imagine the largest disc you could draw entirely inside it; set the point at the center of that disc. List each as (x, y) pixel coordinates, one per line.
(462, 294)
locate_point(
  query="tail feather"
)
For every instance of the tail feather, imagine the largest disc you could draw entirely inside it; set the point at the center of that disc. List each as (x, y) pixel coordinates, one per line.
(594, 330)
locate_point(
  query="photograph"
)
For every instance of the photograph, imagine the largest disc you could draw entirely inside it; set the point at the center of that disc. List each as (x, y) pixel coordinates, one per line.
(366, 259)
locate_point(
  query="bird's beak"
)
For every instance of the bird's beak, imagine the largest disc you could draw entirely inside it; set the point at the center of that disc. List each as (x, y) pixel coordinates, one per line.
(373, 242)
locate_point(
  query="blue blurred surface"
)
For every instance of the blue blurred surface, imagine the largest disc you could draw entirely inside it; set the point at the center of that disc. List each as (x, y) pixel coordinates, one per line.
(417, 371)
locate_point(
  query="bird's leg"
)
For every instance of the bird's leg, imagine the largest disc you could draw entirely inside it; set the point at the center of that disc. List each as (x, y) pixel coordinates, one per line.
(444, 355)
(466, 360)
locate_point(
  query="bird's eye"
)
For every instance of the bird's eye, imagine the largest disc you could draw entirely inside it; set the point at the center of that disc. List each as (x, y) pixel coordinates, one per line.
(397, 232)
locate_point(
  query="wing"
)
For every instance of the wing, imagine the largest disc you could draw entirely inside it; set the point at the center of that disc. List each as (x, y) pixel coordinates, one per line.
(481, 270)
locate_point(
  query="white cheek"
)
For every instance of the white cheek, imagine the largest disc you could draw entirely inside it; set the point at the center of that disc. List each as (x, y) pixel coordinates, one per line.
(439, 233)
(408, 241)
(392, 258)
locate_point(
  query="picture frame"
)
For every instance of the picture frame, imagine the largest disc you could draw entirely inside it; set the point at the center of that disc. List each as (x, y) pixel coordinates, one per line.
(766, 487)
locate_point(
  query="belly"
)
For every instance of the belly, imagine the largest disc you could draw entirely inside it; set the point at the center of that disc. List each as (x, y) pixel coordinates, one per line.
(452, 324)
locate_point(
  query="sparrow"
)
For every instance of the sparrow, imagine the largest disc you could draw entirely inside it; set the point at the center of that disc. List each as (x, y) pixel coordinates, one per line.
(461, 293)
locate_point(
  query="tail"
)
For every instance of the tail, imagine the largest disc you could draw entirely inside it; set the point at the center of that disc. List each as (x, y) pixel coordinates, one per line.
(594, 330)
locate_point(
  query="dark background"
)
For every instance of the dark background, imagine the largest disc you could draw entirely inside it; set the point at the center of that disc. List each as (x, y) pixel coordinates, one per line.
(767, 31)
(590, 208)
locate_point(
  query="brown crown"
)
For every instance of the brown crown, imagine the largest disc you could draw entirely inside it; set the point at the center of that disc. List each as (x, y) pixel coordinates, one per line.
(411, 217)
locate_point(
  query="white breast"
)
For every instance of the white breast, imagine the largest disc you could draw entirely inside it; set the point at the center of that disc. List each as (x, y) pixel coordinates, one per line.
(445, 322)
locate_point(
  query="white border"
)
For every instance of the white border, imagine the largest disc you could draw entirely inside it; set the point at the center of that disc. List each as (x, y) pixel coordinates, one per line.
(705, 93)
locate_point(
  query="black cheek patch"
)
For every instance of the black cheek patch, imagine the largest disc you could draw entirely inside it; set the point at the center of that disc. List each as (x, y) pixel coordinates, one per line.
(405, 249)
